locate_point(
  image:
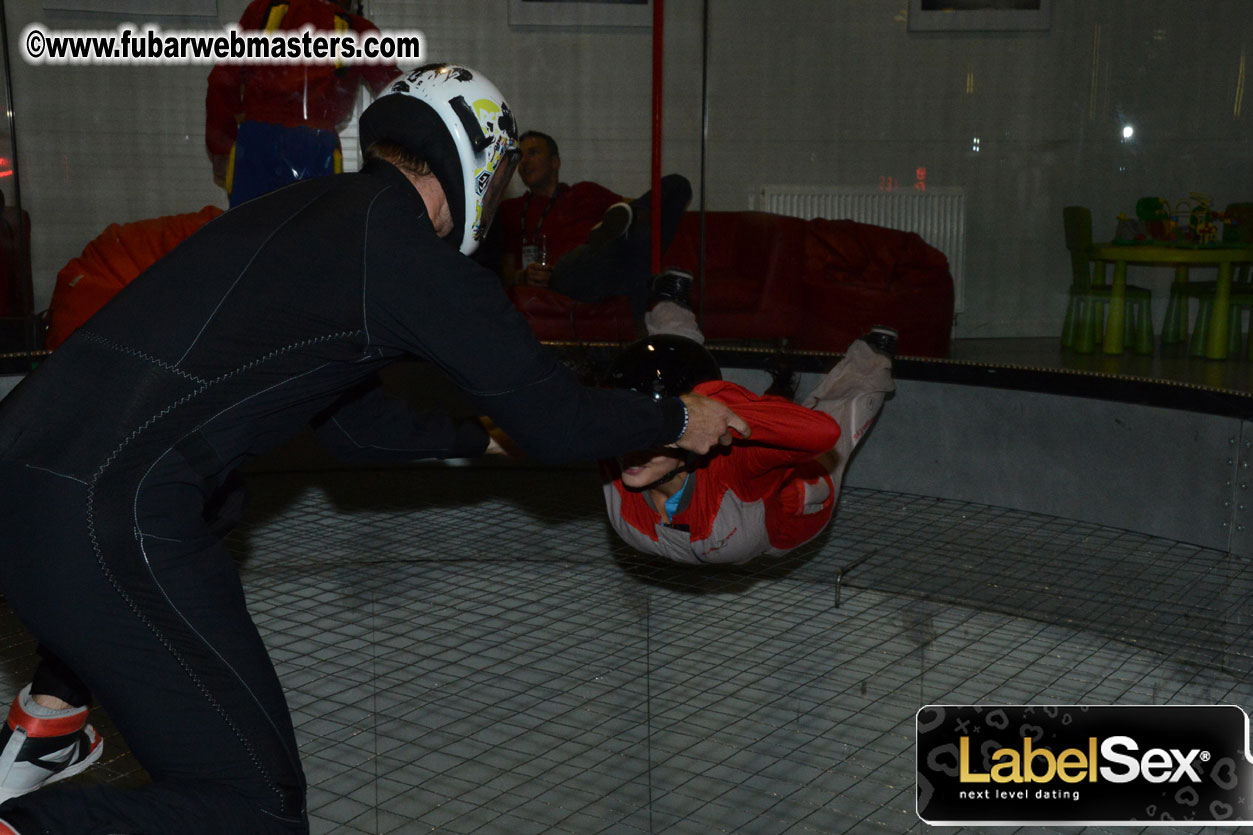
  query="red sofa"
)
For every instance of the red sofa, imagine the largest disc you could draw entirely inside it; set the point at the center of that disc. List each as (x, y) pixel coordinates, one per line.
(819, 284)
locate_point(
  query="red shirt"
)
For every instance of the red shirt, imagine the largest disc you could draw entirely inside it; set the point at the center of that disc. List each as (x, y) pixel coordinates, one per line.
(317, 95)
(565, 219)
(766, 494)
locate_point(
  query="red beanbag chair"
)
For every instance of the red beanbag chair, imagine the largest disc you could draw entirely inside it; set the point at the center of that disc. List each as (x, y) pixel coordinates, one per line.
(110, 262)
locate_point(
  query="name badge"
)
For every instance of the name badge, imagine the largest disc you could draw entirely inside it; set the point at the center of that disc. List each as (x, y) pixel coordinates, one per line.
(530, 254)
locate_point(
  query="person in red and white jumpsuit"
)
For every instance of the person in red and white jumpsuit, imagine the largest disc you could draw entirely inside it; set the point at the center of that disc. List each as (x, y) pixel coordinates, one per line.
(764, 496)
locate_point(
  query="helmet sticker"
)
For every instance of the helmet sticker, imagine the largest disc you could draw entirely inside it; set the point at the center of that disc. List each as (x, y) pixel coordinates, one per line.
(507, 125)
(485, 109)
(439, 73)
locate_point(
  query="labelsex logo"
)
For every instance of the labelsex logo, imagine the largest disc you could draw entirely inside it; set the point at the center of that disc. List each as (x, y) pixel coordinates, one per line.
(1072, 765)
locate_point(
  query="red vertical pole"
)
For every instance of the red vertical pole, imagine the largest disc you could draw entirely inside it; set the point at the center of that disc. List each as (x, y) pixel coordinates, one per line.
(655, 204)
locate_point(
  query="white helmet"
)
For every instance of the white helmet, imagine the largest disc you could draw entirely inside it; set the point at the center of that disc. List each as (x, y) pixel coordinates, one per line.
(456, 120)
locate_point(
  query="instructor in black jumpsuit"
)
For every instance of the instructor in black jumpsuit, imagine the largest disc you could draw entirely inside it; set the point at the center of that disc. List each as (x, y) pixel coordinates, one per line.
(283, 309)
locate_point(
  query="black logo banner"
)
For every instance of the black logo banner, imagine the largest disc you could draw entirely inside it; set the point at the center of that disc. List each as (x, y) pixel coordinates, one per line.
(1069, 764)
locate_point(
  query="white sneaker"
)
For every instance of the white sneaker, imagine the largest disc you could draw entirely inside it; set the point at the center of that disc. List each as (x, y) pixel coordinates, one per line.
(37, 750)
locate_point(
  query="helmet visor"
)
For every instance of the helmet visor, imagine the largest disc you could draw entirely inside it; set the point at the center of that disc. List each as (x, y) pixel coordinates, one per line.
(495, 190)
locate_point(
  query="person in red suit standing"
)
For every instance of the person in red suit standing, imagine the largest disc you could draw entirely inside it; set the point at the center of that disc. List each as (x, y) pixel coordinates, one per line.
(268, 125)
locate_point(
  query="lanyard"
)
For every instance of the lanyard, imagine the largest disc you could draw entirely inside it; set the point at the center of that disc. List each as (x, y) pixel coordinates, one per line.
(526, 210)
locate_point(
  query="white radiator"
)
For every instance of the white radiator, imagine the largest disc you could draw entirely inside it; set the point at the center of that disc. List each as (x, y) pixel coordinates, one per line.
(937, 214)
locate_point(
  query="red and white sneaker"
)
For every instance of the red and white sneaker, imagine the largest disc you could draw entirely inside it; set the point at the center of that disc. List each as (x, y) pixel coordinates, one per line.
(37, 750)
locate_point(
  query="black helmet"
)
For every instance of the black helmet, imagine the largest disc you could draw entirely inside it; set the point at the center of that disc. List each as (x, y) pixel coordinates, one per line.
(663, 366)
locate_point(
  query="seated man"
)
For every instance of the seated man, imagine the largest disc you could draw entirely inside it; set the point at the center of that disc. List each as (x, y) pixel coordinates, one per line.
(552, 213)
(766, 496)
(581, 240)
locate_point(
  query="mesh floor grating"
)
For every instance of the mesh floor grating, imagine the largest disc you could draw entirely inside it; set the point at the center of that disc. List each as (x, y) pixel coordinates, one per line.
(471, 650)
